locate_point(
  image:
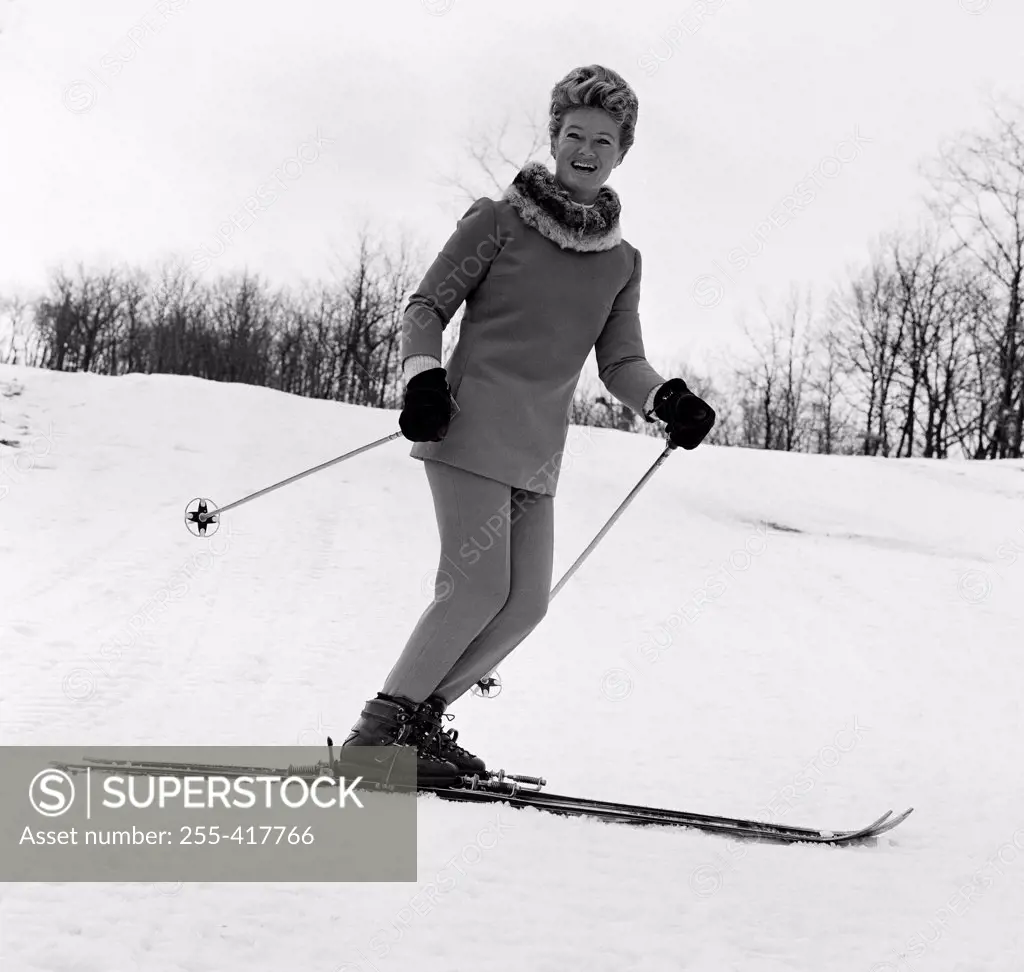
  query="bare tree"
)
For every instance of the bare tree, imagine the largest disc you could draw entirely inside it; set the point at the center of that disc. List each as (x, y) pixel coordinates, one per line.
(493, 161)
(18, 337)
(980, 191)
(399, 278)
(830, 411)
(773, 383)
(872, 336)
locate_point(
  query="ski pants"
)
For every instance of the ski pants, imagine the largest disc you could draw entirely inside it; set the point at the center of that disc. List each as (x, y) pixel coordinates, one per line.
(492, 585)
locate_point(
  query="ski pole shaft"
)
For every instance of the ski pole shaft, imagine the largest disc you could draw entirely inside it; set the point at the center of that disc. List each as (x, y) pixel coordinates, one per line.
(622, 506)
(291, 479)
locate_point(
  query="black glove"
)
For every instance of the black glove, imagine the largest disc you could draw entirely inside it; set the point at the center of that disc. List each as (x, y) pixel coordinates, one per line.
(688, 419)
(428, 406)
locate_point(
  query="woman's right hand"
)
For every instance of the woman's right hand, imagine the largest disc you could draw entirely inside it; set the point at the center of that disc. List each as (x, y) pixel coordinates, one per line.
(428, 406)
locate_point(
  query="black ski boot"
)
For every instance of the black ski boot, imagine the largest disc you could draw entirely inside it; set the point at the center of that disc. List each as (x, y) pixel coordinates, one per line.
(443, 742)
(391, 721)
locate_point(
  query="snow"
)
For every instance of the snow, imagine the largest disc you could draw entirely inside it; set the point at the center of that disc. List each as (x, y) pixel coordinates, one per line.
(805, 638)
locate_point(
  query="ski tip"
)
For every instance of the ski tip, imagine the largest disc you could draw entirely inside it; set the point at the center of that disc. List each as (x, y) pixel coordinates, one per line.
(901, 816)
(850, 836)
(892, 822)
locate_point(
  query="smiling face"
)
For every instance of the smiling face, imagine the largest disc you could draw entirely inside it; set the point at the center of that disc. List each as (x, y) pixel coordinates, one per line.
(589, 137)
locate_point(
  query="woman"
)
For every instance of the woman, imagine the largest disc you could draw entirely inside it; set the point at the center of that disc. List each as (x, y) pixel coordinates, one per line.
(546, 277)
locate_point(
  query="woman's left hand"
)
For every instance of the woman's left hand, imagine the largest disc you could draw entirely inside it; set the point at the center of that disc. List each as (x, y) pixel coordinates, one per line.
(688, 419)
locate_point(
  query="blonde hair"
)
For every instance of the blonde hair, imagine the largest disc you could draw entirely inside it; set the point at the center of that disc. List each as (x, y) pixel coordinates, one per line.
(595, 86)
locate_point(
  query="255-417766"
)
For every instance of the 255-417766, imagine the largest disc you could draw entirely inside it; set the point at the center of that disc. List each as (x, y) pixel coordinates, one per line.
(263, 834)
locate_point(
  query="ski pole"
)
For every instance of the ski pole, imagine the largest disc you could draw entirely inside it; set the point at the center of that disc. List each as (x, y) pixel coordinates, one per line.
(492, 680)
(198, 513)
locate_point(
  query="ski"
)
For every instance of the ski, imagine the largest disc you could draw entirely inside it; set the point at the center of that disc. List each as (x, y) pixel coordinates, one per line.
(653, 816)
(522, 792)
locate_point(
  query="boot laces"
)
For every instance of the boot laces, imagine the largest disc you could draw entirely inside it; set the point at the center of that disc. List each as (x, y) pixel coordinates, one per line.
(434, 739)
(450, 736)
(408, 733)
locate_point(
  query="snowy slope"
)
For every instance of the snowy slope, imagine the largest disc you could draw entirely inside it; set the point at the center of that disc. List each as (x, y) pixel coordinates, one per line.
(814, 639)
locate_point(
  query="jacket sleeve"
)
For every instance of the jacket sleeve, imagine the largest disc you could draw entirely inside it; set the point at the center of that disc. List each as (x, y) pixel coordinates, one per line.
(621, 362)
(457, 270)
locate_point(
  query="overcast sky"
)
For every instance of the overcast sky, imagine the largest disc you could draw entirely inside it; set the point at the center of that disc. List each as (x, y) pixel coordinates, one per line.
(790, 131)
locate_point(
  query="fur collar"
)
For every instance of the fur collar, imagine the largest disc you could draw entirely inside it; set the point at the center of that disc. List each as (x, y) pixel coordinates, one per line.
(544, 204)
